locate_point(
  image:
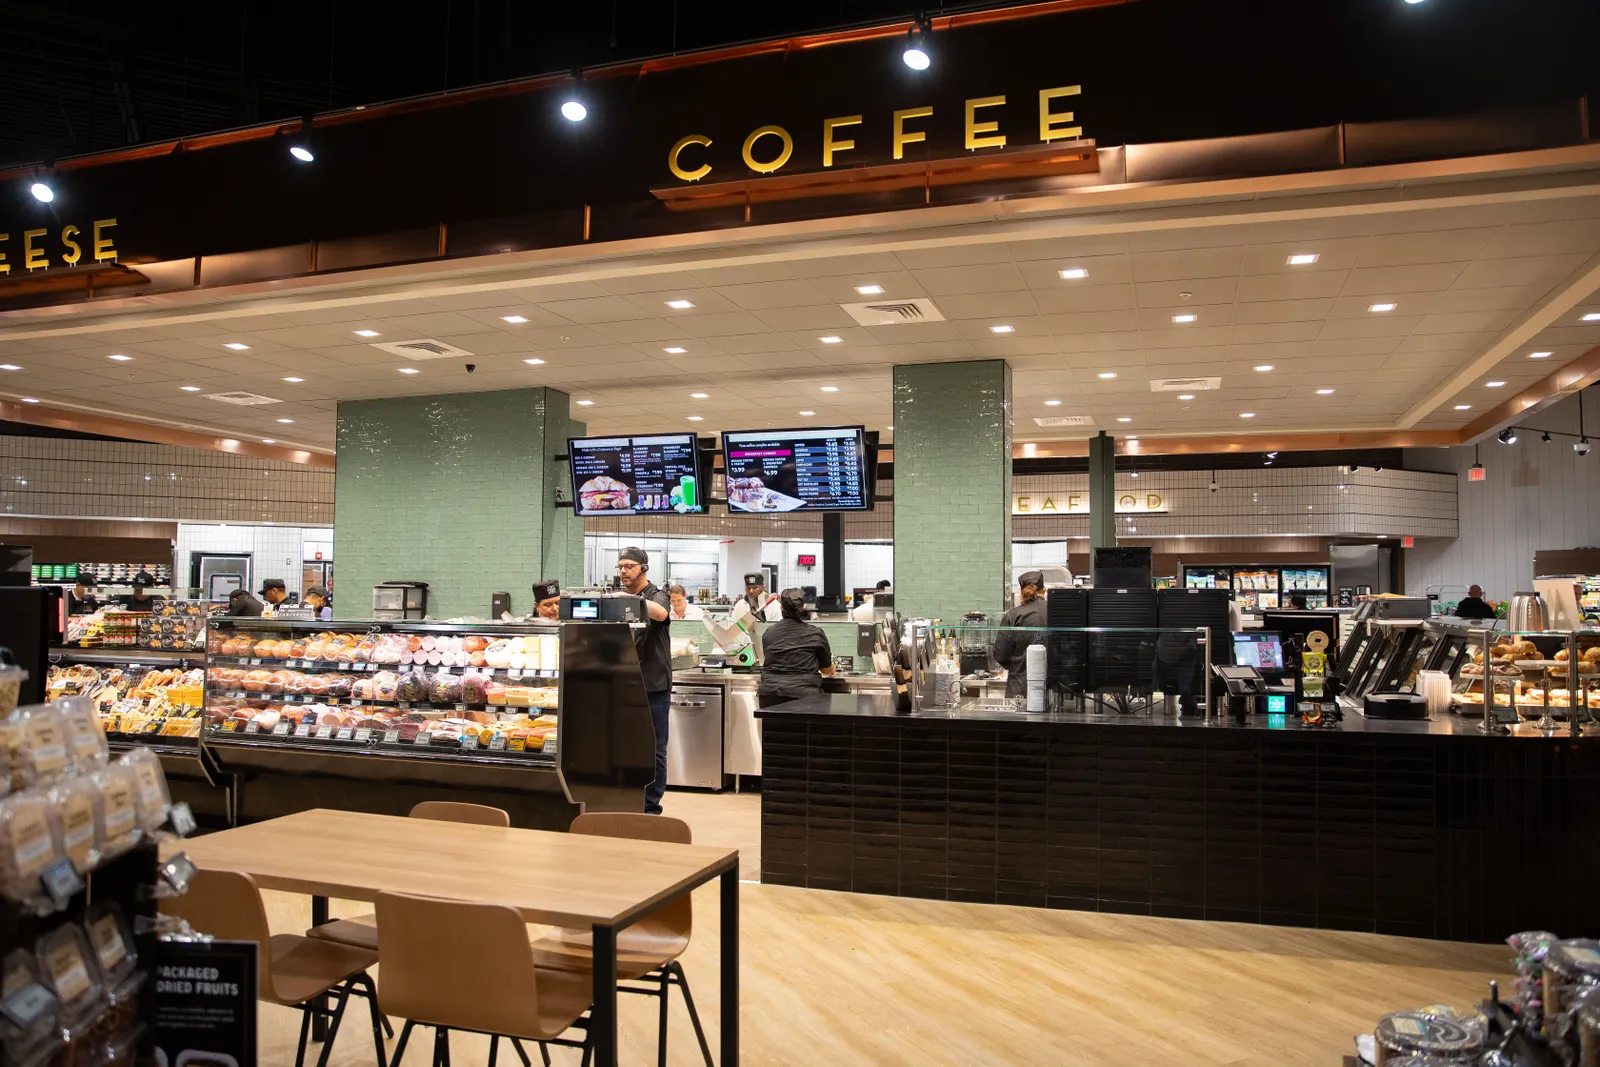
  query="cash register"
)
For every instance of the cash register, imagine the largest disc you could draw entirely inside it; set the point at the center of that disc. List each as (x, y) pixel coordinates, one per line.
(1246, 688)
(1263, 651)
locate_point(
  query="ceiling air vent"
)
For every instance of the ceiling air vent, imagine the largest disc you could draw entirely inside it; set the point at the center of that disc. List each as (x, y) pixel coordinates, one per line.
(1064, 420)
(424, 348)
(894, 312)
(244, 400)
(1184, 385)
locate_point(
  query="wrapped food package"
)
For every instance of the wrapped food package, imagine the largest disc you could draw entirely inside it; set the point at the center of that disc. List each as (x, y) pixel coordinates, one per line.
(474, 689)
(64, 960)
(85, 737)
(43, 752)
(119, 803)
(78, 811)
(385, 684)
(36, 1041)
(150, 782)
(446, 689)
(28, 843)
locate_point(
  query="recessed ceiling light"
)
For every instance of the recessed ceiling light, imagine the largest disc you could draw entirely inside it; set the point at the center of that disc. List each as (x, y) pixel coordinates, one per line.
(808, 413)
(699, 396)
(1538, 355)
(409, 370)
(295, 380)
(1074, 272)
(696, 418)
(1593, 316)
(1263, 368)
(1124, 418)
(585, 403)
(1300, 259)
(120, 358)
(30, 400)
(1184, 318)
(1247, 414)
(1493, 385)
(830, 388)
(236, 346)
(1002, 329)
(286, 422)
(869, 290)
(1463, 407)
(515, 320)
(1106, 375)
(1131, 437)
(190, 388)
(679, 305)
(534, 361)
(368, 333)
(1185, 396)
(830, 340)
(891, 426)
(269, 440)
(675, 350)
(1052, 403)
(9, 366)
(1380, 308)
(1324, 392)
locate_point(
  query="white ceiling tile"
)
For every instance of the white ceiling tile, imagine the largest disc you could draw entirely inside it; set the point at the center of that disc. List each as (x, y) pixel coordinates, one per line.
(992, 278)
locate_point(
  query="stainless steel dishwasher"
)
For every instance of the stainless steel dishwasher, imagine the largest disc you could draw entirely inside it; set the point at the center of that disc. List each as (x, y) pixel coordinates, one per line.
(694, 737)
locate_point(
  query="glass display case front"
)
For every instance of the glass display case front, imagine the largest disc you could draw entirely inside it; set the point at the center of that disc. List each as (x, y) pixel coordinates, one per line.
(1533, 677)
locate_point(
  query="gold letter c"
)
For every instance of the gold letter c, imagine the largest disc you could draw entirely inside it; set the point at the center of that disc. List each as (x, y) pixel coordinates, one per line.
(672, 158)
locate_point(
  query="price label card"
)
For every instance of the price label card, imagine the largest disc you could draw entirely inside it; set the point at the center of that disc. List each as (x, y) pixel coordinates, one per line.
(25, 1005)
(282, 729)
(346, 733)
(391, 737)
(61, 881)
(461, 707)
(182, 818)
(423, 739)
(325, 733)
(303, 730)
(252, 661)
(549, 748)
(252, 727)
(365, 734)
(497, 743)
(177, 872)
(469, 743)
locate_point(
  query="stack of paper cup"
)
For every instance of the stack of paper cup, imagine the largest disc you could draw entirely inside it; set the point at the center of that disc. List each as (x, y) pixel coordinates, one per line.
(1434, 686)
(1036, 669)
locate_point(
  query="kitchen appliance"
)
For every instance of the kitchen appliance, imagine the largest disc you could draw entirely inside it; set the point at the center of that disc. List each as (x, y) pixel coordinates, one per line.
(1528, 613)
(694, 756)
(1395, 706)
(399, 600)
(499, 604)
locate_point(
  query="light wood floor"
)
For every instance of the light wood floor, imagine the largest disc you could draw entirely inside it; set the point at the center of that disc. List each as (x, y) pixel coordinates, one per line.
(843, 980)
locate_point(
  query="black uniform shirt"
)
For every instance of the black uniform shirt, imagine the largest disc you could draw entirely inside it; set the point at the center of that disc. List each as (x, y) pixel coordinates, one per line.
(1011, 648)
(654, 643)
(791, 655)
(1471, 607)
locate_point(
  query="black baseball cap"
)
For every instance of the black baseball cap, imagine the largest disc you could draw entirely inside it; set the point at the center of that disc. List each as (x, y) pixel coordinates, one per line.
(318, 590)
(272, 583)
(636, 554)
(756, 578)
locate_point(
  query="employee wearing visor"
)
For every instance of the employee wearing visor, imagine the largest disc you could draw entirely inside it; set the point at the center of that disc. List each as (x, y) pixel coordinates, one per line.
(1011, 647)
(547, 599)
(654, 642)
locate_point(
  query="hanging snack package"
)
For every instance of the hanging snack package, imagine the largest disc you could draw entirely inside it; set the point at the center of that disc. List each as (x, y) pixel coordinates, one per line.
(30, 1023)
(43, 754)
(120, 808)
(10, 743)
(151, 788)
(111, 944)
(80, 815)
(86, 739)
(28, 844)
(71, 974)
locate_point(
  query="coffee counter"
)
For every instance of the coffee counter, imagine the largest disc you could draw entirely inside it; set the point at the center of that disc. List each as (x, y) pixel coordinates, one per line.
(1428, 829)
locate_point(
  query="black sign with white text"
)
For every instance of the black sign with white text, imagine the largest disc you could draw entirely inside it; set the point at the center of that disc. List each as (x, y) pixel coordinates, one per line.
(206, 1003)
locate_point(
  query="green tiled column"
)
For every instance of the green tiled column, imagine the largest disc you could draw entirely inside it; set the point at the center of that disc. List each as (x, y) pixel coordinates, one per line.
(952, 488)
(456, 491)
(563, 551)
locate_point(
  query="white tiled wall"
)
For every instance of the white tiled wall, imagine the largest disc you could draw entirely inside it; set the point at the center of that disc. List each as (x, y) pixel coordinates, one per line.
(276, 551)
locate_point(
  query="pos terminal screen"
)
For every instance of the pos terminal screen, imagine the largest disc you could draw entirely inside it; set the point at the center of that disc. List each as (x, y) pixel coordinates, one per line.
(1262, 651)
(771, 472)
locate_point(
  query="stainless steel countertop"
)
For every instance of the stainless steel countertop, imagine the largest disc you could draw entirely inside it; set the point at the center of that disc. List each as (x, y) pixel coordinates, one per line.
(854, 683)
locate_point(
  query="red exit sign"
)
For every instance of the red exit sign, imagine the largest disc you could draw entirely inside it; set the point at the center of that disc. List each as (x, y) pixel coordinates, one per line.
(1408, 542)
(1477, 473)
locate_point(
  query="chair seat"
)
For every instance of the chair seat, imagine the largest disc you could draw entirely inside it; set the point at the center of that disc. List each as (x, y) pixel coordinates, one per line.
(563, 995)
(304, 967)
(360, 932)
(641, 948)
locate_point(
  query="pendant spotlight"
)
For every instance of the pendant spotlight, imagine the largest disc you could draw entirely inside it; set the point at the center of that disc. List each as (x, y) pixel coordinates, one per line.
(42, 191)
(300, 145)
(573, 109)
(1508, 436)
(918, 53)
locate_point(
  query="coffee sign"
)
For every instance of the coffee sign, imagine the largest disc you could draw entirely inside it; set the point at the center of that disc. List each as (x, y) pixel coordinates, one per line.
(1078, 503)
(41, 248)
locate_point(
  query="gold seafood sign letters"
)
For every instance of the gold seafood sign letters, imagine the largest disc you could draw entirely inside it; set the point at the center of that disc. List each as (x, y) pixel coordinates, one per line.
(70, 244)
(768, 148)
(1078, 503)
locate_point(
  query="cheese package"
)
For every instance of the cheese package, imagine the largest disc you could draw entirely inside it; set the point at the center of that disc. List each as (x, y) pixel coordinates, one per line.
(80, 819)
(28, 844)
(86, 740)
(43, 752)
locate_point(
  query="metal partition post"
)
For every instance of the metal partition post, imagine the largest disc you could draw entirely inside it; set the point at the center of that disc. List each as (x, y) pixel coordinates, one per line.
(1488, 723)
(1206, 630)
(1577, 699)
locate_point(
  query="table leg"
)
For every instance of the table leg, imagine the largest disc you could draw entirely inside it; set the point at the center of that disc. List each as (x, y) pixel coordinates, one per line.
(319, 1023)
(730, 968)
(603, 1017)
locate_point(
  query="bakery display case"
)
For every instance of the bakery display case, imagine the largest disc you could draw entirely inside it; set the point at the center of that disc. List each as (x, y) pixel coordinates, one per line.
(536, 718)
(1533, 679)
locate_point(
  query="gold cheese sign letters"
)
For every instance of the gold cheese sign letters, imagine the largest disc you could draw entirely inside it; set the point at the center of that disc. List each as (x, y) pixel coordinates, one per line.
(70, 245)
(768, 148)
(1078, 503)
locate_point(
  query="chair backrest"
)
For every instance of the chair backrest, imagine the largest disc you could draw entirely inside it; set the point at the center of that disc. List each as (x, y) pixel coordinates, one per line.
(227, 905)
(677, 916)
(453, 811)
(456, 964)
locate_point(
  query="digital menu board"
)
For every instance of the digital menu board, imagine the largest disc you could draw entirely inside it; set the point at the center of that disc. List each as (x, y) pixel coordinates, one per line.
(657, 475)
(771, 472)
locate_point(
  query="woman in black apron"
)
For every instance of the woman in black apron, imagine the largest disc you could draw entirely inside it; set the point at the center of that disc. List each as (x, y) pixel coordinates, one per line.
(795, 655)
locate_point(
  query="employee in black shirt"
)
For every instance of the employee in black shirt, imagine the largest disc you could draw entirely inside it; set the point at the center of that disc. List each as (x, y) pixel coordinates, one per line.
(1473, 606)
(795, 655)
(654, 642)
(140, 599)
(83, 601)
(1011, 646)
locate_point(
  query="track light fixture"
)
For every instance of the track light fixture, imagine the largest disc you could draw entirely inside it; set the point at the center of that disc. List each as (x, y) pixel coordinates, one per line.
(300, 145)
(1508, 436)
(1545, 437)
(918, 54)
(42, 191)
(573, 109)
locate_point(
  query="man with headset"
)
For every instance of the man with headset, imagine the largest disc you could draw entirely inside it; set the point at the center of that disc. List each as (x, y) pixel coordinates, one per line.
(654, 642)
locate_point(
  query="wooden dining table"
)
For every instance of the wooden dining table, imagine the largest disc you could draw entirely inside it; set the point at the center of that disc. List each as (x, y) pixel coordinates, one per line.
(571, 880)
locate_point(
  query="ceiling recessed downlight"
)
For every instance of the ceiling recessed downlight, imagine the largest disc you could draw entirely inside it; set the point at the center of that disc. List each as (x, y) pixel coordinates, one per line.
(120, 358)
(9, 366)
(585, 403)
(1106, 375)
(1072, 273)
(1493, 385)
(675, 350)
(295, 381)
(237, 347)
(515, 320)
(1002, 328)
(1324, 392)
(1124, 418)
(680, 305)
(1381, 308)
(830, 388)
(190, 388)
(1301, 259)
(368, 333)
(286, 422)
(269, 440)
(1463, 407)
(1247, 414)
(1185, 396)
(409, 370)
(699, 396)
(1184, 318)
(534, 361)
(1262, 368)
(1538, 355)
(696, 418)
(1052, 403)
(808, 413)
(1593, 316)
(870, 290)
(830, 340)
(30, 400)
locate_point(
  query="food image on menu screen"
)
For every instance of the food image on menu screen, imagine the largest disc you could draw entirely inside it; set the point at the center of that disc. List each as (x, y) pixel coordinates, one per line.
(774, 471)
(636, 475)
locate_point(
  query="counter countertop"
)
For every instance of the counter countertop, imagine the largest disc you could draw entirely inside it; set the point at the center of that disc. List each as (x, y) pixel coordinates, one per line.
(880, 706)
(751, 679)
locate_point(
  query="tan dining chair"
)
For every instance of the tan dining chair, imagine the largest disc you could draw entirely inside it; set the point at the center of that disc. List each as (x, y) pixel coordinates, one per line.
(458, 965)
(648, 950)
(294, 971)
(362, 931)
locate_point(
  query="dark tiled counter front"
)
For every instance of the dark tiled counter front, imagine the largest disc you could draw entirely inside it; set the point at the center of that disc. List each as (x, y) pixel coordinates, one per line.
(1425, 829)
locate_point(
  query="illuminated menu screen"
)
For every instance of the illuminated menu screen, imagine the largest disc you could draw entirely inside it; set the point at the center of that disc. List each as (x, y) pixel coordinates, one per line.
(771, 472)
(636, 475)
